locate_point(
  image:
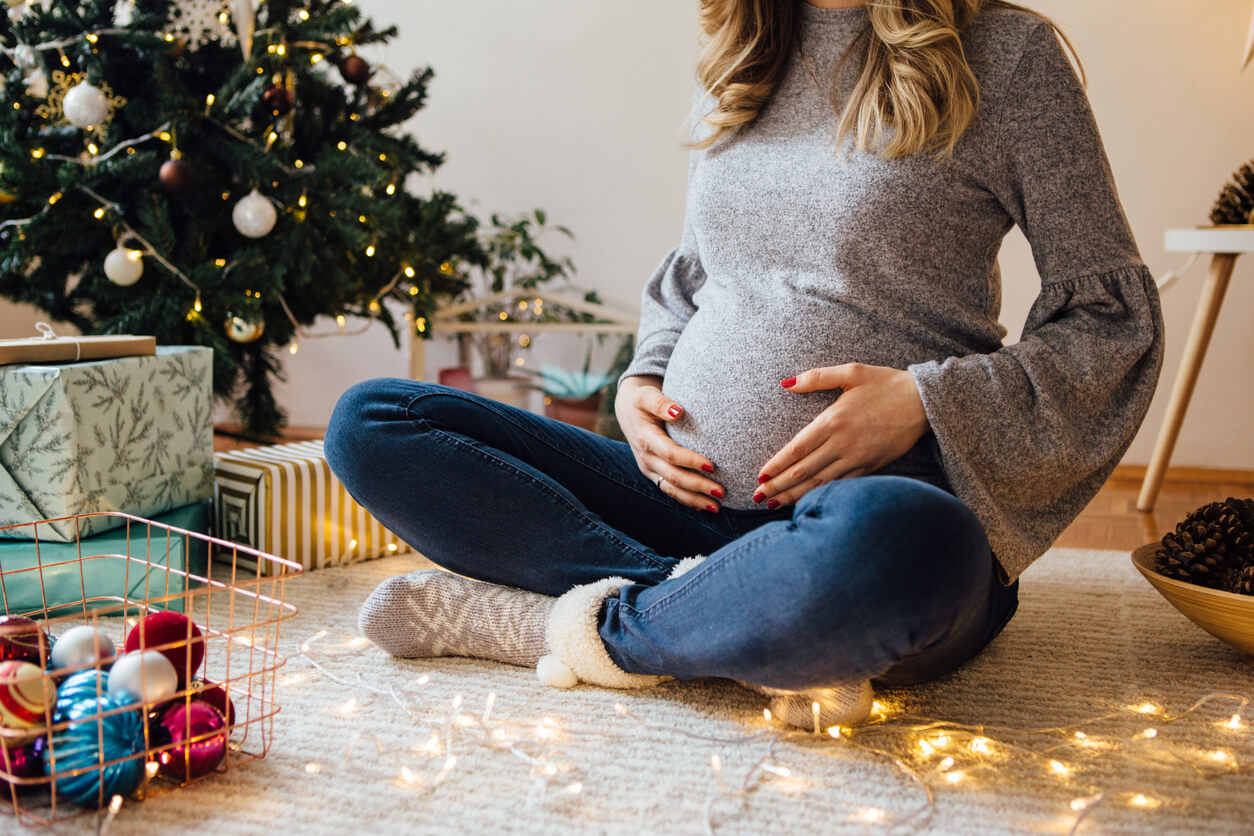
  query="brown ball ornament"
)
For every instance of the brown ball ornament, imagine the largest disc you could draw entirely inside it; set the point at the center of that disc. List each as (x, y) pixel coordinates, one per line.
(177, 176)
(278, 99)
(355, 70)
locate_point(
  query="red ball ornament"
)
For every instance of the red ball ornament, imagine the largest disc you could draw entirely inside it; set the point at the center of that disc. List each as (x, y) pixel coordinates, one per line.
(278, 99)
(355, 70)
(214, 694)
(21, 639)
(177, 176)
(175, 636)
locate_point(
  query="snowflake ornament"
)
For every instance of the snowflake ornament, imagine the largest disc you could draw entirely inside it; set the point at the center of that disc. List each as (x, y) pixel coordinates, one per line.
(198, 22)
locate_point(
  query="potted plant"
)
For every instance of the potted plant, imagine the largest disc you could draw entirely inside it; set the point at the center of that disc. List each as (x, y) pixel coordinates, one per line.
(575, 397)
(511, 287)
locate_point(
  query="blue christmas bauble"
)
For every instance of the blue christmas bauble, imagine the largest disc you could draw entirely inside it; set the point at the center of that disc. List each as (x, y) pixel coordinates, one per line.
(93, 738)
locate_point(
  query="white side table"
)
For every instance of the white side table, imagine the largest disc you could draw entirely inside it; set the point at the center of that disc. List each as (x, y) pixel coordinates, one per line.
(1224, 244)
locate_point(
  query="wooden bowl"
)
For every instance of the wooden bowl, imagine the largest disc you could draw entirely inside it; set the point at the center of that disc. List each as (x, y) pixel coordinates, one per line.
(1227, 616)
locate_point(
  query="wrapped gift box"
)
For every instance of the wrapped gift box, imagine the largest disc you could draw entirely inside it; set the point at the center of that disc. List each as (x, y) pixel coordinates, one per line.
(131, 562)
(284, 500)
(129, 434)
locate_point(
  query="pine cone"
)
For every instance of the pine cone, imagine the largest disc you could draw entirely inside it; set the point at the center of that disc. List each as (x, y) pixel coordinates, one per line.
(1236, 200)
(1210, 546)
(1244, 583)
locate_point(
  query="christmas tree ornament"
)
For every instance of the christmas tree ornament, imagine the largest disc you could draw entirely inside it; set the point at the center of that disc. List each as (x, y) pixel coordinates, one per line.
(215, 695)
(124, 13)
(25, 694)
(278, 99)
(18, 761)
(92, 736)
(245, 22)
(177, 174)
(79, 646)
(186, 643)
(37, 83)
(199, 22)
(196, 722)
(123, 266)
(63, 84)
(86, 105)
(145, 677)
(355, 70)
(254, 215)
(85, 684)
(245, 327)
(22, 640)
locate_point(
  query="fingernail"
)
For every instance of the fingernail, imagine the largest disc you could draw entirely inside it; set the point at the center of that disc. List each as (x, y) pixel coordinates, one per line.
(759, 496)
(791, 381)
(763, 479)
(711, 509)
(773, 504)
(708, 468)
(717, 493)
(674, 411)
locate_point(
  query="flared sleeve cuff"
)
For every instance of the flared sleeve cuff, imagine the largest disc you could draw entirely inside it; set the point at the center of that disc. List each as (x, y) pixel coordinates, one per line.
(1029, 433)
(666, 305)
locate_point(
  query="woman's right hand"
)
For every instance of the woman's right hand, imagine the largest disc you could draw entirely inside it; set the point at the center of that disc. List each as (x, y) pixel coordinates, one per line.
(641, 409)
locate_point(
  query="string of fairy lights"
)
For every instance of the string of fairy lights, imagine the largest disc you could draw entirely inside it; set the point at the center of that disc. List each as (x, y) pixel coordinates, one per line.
(929, 755)
(133, 247)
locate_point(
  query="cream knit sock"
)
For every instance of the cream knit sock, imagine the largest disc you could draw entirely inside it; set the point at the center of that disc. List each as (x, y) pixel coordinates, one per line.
(436, 613)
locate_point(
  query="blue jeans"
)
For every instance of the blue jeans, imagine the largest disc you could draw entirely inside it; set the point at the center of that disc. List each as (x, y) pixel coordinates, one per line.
(878, 577)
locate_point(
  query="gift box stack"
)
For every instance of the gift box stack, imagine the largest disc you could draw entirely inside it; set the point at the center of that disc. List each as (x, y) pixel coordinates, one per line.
(121, 433)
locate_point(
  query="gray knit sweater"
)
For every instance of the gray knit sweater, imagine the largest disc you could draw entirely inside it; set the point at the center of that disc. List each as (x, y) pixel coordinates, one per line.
(792, 259)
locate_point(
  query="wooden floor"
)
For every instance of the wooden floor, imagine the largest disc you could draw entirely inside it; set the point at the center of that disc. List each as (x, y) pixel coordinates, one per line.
(1110, 521)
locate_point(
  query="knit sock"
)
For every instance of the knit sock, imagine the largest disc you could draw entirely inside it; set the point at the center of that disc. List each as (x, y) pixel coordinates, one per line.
(435, 613)
(844, 705)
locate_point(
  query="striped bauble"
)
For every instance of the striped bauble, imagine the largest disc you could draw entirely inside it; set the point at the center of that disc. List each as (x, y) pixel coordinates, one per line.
(25, 694)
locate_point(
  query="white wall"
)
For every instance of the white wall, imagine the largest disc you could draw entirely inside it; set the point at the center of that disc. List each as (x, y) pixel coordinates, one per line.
(576, 107)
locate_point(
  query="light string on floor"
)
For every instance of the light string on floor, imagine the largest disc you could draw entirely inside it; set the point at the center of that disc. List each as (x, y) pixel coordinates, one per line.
(929, 754)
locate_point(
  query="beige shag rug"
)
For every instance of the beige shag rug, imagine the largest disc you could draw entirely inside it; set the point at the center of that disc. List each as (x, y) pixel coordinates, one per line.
(370, 753)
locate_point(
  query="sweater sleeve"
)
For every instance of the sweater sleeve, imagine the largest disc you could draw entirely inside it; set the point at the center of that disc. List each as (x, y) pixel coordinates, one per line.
(666, 303)
(1029, 433)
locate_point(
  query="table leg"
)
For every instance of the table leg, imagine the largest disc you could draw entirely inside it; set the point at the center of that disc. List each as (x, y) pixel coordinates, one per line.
(1194, 353)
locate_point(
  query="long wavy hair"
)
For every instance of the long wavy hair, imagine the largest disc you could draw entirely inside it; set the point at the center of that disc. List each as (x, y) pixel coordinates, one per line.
(914, 79)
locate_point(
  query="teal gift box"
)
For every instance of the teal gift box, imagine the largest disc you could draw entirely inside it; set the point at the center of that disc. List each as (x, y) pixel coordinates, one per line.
(136, 561)
(130, 434)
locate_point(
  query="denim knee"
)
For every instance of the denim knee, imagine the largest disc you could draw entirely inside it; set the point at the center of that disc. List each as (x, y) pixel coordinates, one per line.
(357, 430)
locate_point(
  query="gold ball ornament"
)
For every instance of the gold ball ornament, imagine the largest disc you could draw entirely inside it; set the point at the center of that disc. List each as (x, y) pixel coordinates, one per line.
(123, 266)
(245, 326)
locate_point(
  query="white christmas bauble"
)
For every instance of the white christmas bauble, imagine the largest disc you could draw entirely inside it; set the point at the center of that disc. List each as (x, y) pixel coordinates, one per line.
(254, 215)
(82, 645)
(145, 676)
(124, 266)
(85, 105)
(124, 13)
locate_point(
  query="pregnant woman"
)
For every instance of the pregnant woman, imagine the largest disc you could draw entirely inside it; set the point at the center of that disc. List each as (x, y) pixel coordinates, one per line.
(835, 470)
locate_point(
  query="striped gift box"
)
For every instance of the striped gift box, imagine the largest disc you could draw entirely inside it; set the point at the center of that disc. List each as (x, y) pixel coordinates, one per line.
(284, 500)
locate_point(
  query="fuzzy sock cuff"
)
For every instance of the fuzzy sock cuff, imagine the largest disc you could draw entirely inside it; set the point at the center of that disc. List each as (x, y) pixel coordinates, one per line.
(576, 652)
(685, 566)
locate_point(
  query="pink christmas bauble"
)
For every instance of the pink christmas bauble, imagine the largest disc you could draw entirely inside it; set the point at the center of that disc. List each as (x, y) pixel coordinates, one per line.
(186, 644)
(215, 695)
(188, 722)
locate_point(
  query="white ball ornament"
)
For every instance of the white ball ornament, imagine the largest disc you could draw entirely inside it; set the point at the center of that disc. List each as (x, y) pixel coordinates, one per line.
(85, 105)
(81, 646)
(123, 266)
(254, 215)
(145, 677)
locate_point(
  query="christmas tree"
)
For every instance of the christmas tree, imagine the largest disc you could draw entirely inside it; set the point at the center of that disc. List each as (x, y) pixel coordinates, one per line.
(217, 174)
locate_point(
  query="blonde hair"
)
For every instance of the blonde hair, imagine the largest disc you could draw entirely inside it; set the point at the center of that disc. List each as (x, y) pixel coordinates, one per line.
(914, 79)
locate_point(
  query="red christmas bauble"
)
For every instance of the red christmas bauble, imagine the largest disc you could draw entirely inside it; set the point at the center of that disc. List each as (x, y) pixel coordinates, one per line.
(278, 99)
(177, 176)
(20, 639)
(355, 69)
(175, 637)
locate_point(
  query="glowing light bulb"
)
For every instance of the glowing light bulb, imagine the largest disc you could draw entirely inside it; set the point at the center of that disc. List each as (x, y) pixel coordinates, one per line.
(409, 272)
(946, 763)
(980, 745)
(834, 732)
(1150, 733)
(954, 777)
(1059, 768)
(99, 213)
(1235, 722)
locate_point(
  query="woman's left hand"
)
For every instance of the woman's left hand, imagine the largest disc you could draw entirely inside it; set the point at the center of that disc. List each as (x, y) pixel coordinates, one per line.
(876, 419)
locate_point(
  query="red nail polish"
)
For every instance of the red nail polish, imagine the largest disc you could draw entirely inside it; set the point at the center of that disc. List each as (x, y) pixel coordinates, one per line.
(717, 493)
(759, 496)
(763, 479)
(792, 381)
(711, 509)
(674, 411)
(773, 504)
(708, 468)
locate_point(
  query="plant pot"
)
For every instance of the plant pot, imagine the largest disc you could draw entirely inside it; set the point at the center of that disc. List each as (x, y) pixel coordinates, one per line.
(580, 412)
(508, 390)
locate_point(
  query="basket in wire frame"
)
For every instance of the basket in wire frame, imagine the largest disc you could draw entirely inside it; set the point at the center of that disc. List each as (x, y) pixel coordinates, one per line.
(234, 594)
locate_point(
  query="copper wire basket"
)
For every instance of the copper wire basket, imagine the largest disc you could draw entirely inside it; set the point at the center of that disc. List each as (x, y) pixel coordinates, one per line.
(234, 594)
